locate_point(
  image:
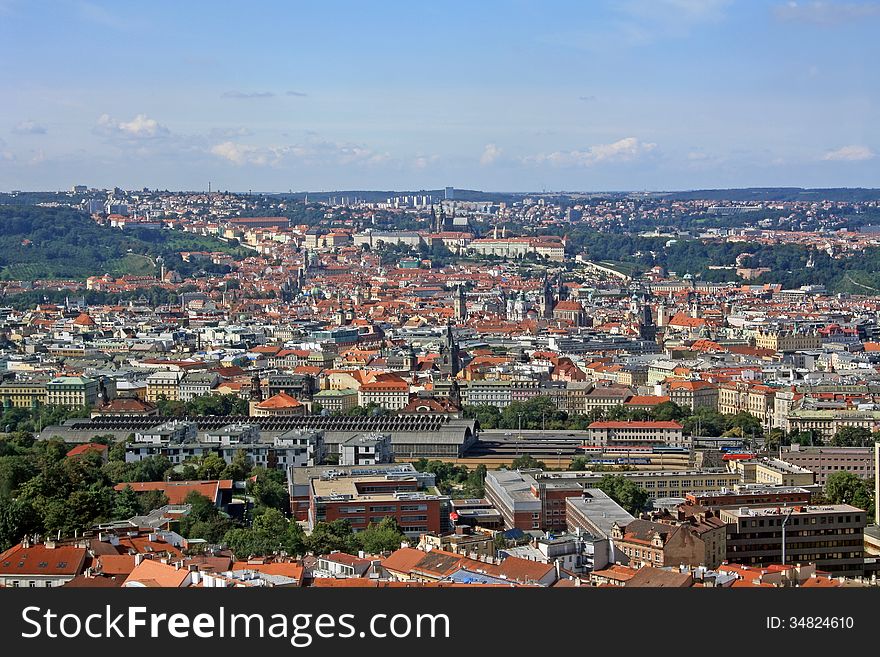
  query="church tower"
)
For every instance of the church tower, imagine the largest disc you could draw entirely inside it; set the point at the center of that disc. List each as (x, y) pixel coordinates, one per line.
(547, 301)
(449, 359)
(460, 304)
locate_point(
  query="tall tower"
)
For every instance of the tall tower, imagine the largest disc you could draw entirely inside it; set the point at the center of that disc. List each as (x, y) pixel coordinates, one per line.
(547, 302)
(449, 359)
(647, 327)
(460, 304)
(256, 388)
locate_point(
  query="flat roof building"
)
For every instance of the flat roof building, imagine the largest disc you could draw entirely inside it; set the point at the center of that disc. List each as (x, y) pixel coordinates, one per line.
(830, 536)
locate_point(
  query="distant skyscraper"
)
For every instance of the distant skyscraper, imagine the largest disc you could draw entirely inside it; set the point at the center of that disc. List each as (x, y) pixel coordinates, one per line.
(450, 193)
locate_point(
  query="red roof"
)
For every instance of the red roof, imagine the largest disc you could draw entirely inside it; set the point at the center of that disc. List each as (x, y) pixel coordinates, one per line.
(281, 400)
(176, 491)
(42, 560)
(88, 447)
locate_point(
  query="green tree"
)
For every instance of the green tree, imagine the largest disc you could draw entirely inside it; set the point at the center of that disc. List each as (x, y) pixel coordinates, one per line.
(384, 536)
(204, 519)
(852, 437)
(152, 499)
(846, 488)
(270, 493)
(527, 462)
(626, 493)
(211, 466)
(240, 467)
(669, 411)
(487, 416)
(329, 536)
(17, 518)
(127, 504)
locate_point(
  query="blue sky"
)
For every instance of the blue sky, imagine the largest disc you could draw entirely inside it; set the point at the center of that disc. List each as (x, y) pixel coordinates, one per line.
(508, 96)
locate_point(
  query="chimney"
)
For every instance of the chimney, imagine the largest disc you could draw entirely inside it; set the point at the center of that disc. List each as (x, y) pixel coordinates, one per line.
(138, 559)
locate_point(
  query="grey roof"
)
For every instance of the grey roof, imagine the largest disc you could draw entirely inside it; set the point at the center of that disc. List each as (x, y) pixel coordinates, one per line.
(600, 510)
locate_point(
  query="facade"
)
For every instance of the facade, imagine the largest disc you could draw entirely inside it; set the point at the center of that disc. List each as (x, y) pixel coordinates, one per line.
(754, 399)
(698, 540)
(826, 423)
(363, 500)
(771, 472)
(825, 461)
(830, 536)
(635, 433)
(179, 442)
(367, 449)
(787, 340)
(72, 391)
(197, 384)
(22, 394)
(693, 394)
(164, 385)
(392, 395)
(337, 401)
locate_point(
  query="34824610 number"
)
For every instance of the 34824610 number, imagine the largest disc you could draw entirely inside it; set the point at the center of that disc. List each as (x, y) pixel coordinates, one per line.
(821, 622)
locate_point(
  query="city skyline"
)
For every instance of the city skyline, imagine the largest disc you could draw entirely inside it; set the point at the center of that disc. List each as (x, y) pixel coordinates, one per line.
(504, 96)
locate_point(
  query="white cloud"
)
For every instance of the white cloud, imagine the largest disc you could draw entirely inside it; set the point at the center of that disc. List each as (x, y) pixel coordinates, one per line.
(248, 94)
(827, 13)
(29, 128)
(422, 162)
(241, 153)
(490, 153)
(622, 150)
(140, 127)
(313, 152)
(296, 93)
(852, 153)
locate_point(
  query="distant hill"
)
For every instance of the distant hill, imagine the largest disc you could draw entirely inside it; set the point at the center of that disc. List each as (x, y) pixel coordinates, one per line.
(40, 243)
(376, 196)
(840, 194)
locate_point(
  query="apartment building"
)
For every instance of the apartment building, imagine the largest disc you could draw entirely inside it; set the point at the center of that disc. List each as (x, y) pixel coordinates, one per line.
(695, 540)
(196, 384)
(826, 423)
(22, 394)
(72, 391)
(534, 499)
(749, 495)
(389, 394)
(829, 536)
(367, 499)
(164, 385)
(787, 340)
(771, 472)
(337, 401)
(692, 394)
(825, 461)
(752, 398)
(367, 449)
